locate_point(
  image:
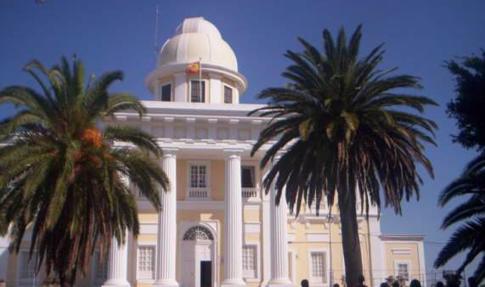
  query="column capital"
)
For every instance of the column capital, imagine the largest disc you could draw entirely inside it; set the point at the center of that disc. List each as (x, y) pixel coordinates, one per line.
(169, 151)
(229, 153)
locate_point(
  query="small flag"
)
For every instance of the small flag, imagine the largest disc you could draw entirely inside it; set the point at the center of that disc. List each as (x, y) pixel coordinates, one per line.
(193, 68)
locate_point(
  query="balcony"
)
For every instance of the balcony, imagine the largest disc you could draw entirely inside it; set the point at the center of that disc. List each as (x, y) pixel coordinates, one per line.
(196, 193)
(249, 193)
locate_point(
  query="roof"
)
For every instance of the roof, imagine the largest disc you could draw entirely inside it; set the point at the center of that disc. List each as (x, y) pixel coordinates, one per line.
(197, 39)
(401, 237)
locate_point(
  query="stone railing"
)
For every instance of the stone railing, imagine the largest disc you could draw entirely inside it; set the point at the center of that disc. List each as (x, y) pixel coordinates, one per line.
(250, 192)
(198, 193)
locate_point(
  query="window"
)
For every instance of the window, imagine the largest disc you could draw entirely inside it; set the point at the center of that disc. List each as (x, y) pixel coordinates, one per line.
(146, 263)
(198, 233)
(403, 270)
(227, 95)
(166, 93)
(318, 266)
(197, 91)
(249, 261)
(198, 176)
(198, 180)
(27, 267)
(248, 179)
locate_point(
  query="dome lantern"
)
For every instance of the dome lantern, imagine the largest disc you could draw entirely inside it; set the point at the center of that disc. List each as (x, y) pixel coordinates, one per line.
(197, 40)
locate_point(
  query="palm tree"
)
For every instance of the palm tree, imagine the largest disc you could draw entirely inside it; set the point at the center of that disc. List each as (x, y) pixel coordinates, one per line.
(62, 176)
(343, 127)
(471, 235)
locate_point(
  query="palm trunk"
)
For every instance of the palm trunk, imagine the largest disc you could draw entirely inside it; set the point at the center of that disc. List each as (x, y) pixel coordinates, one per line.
(63, 281)
(350, 237)
(67, 279)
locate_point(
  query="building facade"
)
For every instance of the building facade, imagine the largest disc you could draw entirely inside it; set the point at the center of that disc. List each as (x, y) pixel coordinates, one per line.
(217, 226)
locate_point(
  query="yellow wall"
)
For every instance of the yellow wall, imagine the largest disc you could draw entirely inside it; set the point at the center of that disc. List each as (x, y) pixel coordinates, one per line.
(182, 179)
(302, 248)
(252, 215)
(394, 251)
(217, 179)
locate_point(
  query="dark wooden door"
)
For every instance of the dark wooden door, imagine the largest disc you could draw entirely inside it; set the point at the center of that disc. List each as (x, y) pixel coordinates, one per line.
(205, 273)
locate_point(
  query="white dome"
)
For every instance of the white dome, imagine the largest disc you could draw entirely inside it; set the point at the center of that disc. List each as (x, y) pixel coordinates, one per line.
(197, 39)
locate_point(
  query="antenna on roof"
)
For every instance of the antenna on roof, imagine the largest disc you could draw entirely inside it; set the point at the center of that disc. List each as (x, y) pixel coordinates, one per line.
(155, 37)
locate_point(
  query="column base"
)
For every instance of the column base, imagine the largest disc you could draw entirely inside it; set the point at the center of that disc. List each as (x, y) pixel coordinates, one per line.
(165, 283)
(116, 283)
(233, 282)
(280, 283)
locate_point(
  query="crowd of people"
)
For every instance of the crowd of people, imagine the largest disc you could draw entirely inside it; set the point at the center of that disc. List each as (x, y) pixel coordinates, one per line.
(451, 281)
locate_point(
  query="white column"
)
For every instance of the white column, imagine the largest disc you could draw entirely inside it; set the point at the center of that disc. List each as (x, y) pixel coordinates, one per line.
(279, 241)
(167, 224)
(117, 264)
(266, 252)
(180, 87)
(118, 256)
(233, 221)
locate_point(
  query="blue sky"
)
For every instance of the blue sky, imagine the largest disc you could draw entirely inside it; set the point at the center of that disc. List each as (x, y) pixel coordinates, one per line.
(418, 35)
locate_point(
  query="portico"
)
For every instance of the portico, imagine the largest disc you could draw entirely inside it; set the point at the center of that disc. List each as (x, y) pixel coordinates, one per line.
(204, 246)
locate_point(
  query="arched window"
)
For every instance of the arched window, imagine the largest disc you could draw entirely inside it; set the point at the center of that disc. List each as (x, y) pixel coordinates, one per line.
(198, 233)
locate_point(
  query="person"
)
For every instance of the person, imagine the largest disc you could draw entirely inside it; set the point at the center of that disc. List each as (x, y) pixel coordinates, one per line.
(440, 284)
(384, 284)
(304, 283)
(415, 283)
(336, 285)
(396, 284)
(472, 282)
(389, 281)
(361, 281)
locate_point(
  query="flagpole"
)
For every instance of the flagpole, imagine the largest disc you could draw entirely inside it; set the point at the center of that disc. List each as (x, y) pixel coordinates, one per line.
(155, 36)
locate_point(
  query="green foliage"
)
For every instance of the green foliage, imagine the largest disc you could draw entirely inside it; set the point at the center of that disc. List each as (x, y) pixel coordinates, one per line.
(62, 177)
(341, 126)
(470, 237)
(467, 107)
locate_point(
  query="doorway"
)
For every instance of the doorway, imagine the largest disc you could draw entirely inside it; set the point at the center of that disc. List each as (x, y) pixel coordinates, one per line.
(197, 256)
(205, 273)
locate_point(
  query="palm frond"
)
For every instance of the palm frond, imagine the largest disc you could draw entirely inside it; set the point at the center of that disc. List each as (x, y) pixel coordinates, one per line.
(61, 177)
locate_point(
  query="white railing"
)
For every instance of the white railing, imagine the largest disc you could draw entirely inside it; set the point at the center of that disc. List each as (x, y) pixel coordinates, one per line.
(250, 192)
(198, 193)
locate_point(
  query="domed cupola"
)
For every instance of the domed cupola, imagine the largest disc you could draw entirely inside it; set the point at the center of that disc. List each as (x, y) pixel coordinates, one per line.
(197, 65)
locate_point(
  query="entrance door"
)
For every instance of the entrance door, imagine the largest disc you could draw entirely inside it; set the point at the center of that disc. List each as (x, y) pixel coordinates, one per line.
(205, 273)
(197, 256)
